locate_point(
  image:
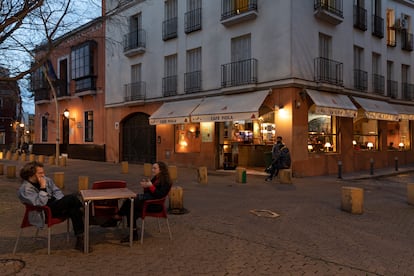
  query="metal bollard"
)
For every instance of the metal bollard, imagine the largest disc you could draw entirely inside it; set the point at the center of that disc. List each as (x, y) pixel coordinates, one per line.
(339, 169)
(371, 161)
(396, 163)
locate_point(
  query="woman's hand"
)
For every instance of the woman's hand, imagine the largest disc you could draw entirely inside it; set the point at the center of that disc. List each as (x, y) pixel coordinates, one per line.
(145, 183)
(42, 182)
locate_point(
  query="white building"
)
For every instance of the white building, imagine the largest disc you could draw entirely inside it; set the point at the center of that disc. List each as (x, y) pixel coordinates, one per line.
(212, 83)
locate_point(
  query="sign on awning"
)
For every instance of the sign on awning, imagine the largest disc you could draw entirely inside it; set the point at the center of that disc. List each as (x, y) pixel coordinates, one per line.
(377, 110)
(332, 104)
(174, 112)
(235, 107)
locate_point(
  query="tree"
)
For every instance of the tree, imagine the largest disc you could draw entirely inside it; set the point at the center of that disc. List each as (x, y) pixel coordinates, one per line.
(31, 27)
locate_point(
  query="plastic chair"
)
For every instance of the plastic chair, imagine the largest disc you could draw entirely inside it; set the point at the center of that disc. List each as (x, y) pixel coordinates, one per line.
(154, 208)
(109, 207)
(49, 222)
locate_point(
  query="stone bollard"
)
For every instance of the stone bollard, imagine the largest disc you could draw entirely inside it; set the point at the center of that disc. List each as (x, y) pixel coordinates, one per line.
(11, 171)
(202, 175)
(352, 200)
(62, 161)
(83, 182)
(23, 157)
(59, 179)
(285, 176)
(15, 156)
(8, 155)
(2, 154)
(241, 175)
(1, 169)
(124, 168)
(147, 169)
(176, 198)
(32, 157)
(410, 193)
(51, 160)
(41, 158)
(173, 173)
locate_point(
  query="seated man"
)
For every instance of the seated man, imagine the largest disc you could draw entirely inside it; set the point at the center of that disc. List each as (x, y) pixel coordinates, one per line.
(39, 190)
(280, 159)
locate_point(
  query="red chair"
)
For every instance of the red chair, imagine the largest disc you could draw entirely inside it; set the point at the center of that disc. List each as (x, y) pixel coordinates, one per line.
(109, 207)
(154, 208)
(49, 222)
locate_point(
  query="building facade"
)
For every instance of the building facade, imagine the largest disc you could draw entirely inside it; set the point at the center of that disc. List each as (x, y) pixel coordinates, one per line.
(10, 113)
(212, 83)
(69, 95)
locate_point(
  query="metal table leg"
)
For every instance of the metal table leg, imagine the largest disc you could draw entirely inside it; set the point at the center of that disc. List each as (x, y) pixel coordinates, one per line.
(86, 229)
(131, 224)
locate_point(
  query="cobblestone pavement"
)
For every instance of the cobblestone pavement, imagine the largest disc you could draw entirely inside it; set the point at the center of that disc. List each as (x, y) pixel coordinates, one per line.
(219, 235)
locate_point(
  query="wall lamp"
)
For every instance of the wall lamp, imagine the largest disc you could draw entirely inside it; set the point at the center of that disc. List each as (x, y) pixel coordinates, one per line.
(66, 113)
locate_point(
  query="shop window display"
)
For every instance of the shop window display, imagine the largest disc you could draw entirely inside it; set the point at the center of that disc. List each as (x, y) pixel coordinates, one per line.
(398, 135)
(365, 134)
(187, 138)
(322, 131)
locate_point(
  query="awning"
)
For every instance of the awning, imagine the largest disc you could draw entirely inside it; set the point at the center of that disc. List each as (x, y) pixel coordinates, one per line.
(406, 111)
(377, 110)
(234, 107)
(332, 104)
(174, 112)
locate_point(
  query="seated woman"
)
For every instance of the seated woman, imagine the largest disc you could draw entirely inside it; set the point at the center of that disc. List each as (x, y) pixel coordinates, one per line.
(158, 187)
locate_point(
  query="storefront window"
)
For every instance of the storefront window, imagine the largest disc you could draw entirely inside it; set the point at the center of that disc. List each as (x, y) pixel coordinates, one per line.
(268, 128)
(322, 133)
(187, 138)
(365, 134)
(398, 135)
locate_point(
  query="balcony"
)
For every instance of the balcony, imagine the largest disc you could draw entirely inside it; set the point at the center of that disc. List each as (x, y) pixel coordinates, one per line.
(192, 21)
(134, 43)
(135, 91)
(85, 86)
(169, 86)
(329, 11)
(392, 89)
(377, 26)
(407, 90)
(192, 82)
(406, 40)
(360, 80)
(169, 29)
(360, 18)
(239, 73)
(328, 71)
(235, 12)
(61, 89)
(42, 95)
(378, 84)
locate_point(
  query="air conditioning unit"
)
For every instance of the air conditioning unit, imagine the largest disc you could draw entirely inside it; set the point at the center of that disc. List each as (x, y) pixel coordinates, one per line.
(403, 21)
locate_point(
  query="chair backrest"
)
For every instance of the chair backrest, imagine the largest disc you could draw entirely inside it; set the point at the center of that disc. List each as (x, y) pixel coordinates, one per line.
(108, 184)
(154, 208)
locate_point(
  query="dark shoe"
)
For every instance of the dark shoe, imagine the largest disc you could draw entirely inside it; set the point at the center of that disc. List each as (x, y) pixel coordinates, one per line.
(268, 179)
(126, 238)
(80, 244)
(112, 222)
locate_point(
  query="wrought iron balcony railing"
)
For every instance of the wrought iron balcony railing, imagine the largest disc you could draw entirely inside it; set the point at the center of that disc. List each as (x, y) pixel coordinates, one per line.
(192, 21)
(135, 91)
(328, 71)
(192, 82)
(169, 86)
(239, 73)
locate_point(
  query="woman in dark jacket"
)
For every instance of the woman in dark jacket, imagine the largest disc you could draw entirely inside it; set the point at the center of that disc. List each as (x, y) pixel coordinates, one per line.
(158, 187)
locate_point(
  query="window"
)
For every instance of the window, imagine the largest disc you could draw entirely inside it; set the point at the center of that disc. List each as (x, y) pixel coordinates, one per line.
(89, 126)
(2, 137)
(193, 71)
(169, 86)
(378, 82)
(83, 66)
(360, 76)
(241, 48)
(398, 135)
(322, 131)
(187, 138)
(169, 26)
(44, 129)
(405, 82)
(392, 85)
(365, 134)
(193, 16)
(391, 41)
(325, 46)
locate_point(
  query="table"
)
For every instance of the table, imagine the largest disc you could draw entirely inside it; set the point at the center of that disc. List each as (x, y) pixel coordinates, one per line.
(99, 194)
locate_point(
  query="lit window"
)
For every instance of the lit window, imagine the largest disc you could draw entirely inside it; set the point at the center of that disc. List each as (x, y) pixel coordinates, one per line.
(322, 133)
(365, 134)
